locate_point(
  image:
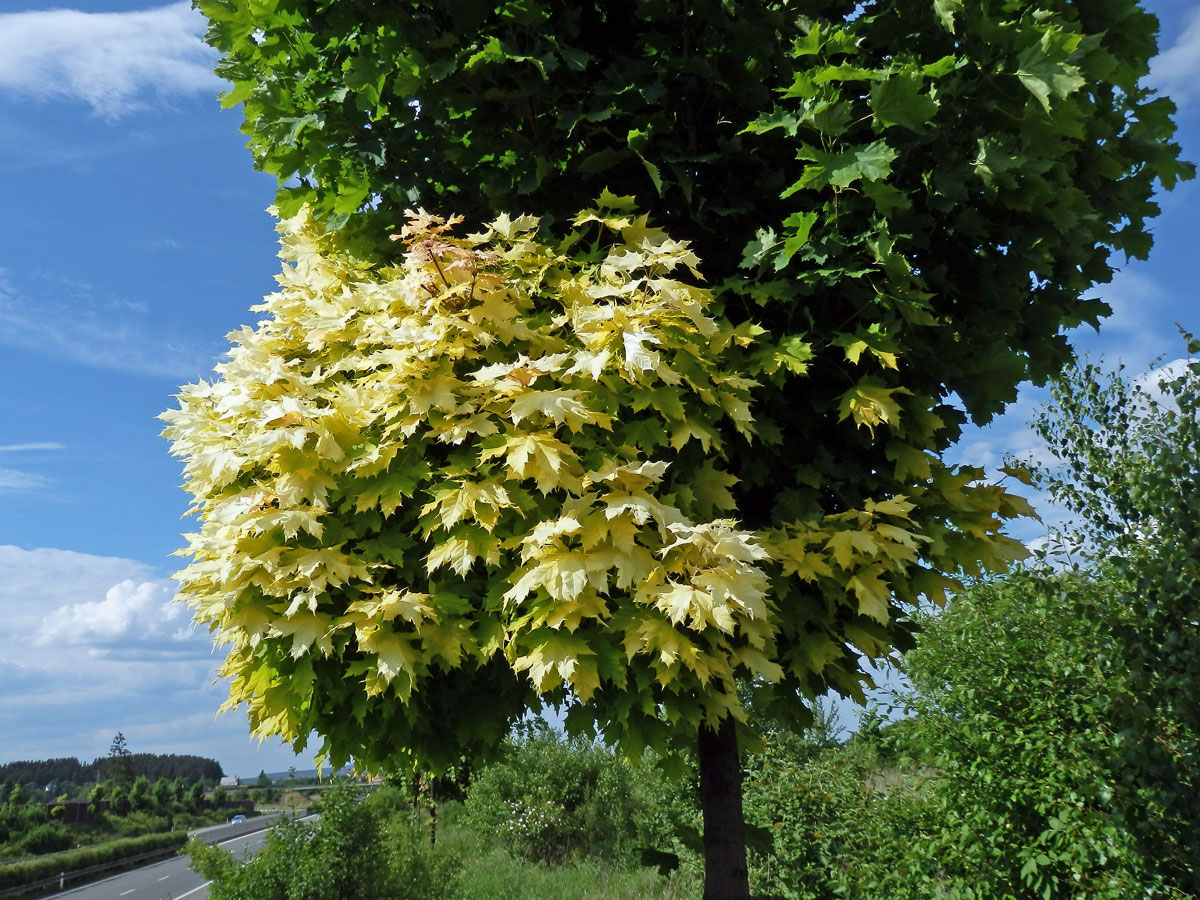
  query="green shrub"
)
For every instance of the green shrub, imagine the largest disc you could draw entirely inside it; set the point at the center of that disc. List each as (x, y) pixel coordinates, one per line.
(550, 799)
(17, 820)
(46, 838)
(1022, 739)
(344, 855)
(835, 820)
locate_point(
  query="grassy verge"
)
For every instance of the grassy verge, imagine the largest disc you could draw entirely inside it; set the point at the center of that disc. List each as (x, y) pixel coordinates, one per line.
(51, 864)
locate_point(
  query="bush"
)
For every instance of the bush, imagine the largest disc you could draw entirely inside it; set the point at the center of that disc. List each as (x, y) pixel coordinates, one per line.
(342, 856)
(833, 820)
(46, 838)
(550, 799)
(1022, 738)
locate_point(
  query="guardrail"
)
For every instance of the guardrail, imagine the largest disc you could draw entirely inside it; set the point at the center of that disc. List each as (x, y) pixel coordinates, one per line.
(214, 834)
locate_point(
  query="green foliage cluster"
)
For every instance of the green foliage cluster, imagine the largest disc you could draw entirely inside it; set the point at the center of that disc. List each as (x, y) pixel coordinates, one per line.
(1128, 467)
(1002, 782)
(342, 856)
(23, 827)
(825, 812)
(45, 837)
(1022, 741)
(29, 871)
(853, 172)
(548, 799)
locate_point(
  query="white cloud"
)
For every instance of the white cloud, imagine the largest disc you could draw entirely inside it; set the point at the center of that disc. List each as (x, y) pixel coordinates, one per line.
(91, 645)
(132, 612)
(114, 62)
(1152, 381)
(33, 583)
(1176, 71)
(79, 619)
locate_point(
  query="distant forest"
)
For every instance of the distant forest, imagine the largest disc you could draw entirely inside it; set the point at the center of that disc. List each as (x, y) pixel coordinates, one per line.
(70, 769)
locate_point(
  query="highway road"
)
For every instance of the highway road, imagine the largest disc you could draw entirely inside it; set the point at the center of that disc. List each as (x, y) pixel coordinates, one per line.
(171, 879)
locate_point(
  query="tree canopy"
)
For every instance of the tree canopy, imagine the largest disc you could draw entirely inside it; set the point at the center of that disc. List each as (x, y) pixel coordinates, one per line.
(899, 207)
(902, 204)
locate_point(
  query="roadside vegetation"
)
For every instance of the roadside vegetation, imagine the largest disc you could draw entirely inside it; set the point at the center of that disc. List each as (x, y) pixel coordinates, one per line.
(49, 806)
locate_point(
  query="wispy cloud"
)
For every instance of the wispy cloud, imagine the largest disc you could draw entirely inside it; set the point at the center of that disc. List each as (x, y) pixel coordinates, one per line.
(74, 320)
(117, 63)
(16, 480)
(31, 447)
(1176, 71)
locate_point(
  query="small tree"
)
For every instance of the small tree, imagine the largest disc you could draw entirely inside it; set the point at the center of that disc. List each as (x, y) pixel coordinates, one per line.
(161, 794)
(194, 798)
(1020, 741)
(118, 799)
(1127, 465)
(218, 797)
(95, 798)
(118, 765)
(139, 794)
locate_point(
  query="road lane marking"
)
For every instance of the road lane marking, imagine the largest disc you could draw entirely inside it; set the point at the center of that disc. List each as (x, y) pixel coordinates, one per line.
(123, 893)
(164, 878)
(193, 890)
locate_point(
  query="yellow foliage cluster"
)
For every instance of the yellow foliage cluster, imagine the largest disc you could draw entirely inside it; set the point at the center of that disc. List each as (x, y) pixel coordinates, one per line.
(500, 454)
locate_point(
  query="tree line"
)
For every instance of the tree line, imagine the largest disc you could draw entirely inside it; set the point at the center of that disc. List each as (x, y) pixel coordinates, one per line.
(69, 769)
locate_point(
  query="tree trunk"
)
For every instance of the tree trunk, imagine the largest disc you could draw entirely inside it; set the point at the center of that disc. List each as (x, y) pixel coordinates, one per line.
(725, 876)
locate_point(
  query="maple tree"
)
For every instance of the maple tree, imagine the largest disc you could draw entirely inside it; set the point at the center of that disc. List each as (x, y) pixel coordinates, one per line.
(898, 205)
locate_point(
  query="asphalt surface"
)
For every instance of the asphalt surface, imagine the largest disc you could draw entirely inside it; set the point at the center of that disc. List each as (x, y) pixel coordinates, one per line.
(171, 879)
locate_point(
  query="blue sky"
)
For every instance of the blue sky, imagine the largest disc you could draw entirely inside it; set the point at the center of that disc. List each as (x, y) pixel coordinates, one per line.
(134, 237)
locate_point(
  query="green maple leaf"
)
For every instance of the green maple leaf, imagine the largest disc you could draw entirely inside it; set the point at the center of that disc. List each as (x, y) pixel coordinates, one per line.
(872, 162)
(1043, 68)
(899, 101)
(711, 488)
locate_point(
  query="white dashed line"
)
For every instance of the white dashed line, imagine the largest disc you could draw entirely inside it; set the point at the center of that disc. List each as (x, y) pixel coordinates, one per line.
(193, 890)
